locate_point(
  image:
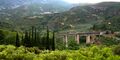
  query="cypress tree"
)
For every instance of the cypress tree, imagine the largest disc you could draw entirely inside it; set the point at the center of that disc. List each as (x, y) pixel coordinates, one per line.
(26, 40)
(29, 36)
(32, 37)
(94, 27)
(22, 40)
(47, 39)
(35, 33)
(29, 39)
(53, 41)
(43, 44)
(17, 43)
(22, 37)
(38, 39)
(32, 33)
(35, 37)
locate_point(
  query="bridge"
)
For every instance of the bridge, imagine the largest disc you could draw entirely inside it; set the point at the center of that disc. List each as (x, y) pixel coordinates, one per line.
(90, 36)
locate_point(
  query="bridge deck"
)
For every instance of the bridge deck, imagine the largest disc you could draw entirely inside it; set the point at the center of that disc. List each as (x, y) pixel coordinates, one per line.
(81, 33)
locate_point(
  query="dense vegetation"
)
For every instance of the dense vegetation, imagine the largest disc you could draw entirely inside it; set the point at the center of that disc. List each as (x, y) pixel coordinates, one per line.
(110, 24)
(30, 38)
(9, 52)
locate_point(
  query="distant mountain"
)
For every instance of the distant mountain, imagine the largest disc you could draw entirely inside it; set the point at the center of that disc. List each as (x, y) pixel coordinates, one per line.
(14, 11)
(82, 17)
(12, 4)
(8, 4)
(58, 16)
(33, 7)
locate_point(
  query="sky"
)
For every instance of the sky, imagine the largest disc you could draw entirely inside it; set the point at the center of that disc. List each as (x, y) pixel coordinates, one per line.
(89, 1)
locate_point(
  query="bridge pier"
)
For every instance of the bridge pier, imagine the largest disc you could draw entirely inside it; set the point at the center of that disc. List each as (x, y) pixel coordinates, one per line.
(66, 40)
(88, 39)
(93, 37)
(77, 38)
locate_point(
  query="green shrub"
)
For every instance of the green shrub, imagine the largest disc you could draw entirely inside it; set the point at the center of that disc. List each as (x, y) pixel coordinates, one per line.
(72, 45)
(10, 52)
(116, 50)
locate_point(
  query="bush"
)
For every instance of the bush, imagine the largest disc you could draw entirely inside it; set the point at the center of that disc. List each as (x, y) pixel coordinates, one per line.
(2, 36)
(72, 45)
(117, 50)
(109, 41)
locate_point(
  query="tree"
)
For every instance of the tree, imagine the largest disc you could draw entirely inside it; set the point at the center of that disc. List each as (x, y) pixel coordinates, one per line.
(29, 35)
(38, 39)
(27, 41)
(32, 33)
(53, 41)
(94, 27)
(2, 36)
(35, 37)
(17, 43)
(47, 38)
(22, 40)
(35, 34)
(72, 45)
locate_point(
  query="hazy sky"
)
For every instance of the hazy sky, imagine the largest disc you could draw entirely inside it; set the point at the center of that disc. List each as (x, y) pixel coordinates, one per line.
(89, 1)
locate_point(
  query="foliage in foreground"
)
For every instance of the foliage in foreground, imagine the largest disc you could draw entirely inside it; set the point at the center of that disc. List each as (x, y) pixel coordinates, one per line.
(9, 52)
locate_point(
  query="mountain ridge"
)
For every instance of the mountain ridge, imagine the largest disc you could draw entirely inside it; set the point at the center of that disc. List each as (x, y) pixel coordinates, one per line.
(77, 17)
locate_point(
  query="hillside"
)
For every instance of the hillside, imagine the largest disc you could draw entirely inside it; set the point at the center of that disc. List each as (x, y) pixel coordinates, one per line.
(82, 17)
(15, 12)
(79, 18)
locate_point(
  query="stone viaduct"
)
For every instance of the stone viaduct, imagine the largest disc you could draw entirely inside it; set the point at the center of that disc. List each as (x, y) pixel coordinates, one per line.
(90, 36)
